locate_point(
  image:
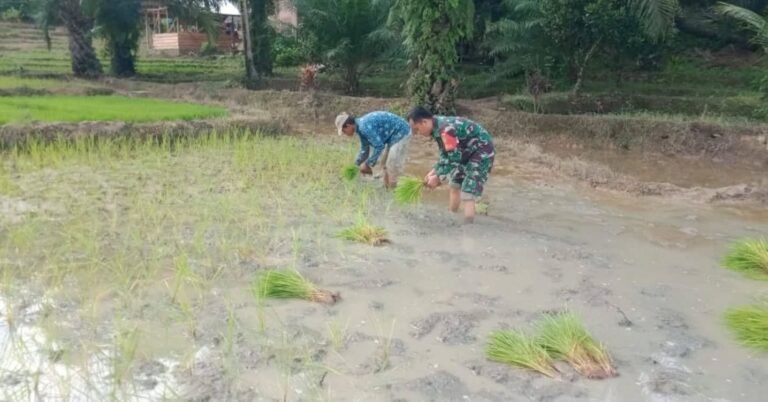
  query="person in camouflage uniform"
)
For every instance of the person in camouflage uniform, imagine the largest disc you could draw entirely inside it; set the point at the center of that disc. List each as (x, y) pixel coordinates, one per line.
(466, 156)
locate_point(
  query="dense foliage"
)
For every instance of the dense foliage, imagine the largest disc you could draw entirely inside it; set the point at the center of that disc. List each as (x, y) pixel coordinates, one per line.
(348, 35)
(432, 30)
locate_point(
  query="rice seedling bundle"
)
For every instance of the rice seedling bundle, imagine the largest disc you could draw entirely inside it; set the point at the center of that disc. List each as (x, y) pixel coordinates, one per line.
(289, 284)
(749, 257)
(565, 337)
(364, 232)
(350, 172)
(408, 190)
(518, 349)
(750, 325)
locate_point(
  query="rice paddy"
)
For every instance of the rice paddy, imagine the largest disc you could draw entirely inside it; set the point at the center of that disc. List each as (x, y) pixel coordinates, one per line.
(130, 243)
(748, 257)
(350, 173)
(71, 109)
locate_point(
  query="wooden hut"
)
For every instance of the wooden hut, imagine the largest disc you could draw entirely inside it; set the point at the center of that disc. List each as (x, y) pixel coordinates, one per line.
(168, 34)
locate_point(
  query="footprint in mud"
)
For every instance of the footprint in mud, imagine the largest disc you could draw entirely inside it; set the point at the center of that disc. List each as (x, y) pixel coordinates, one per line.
(440, 386)
(587, 291)
(456, 326)
(492, 268)
(371, 283)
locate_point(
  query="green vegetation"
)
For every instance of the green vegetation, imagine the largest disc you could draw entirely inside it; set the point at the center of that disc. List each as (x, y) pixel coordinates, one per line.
(10, 82)
(408, 190)
(364, 232)
(750, 257)
(289, 284)
(565, 337)
(750, 325)
(559, 336)
(350, 173)
(98, 108)
(151, 235)
(518, 349)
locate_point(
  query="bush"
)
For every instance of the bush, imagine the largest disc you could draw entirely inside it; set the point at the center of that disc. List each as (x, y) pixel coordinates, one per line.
(11, 15)
(287, 51)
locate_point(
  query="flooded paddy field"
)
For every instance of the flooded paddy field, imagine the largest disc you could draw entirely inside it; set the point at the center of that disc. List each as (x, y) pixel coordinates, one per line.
(128, 266)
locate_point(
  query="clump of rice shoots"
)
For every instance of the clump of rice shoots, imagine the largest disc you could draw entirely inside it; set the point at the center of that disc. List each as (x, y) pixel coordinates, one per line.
(289, 284)
(518, 349)
(364, 232)
(750, 325)
(565, 337)
(408, 190)
(750, 257)
(350, 173)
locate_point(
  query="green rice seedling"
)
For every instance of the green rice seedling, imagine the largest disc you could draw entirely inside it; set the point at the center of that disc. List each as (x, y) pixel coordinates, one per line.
(289, 284)
(565, 337)
(364, 232)
(518, 349)
(750, 325)
(350, 173)
(750, 257)
(408, 190)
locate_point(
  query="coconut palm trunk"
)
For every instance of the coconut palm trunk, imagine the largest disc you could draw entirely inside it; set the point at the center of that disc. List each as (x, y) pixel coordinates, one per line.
(85, 64)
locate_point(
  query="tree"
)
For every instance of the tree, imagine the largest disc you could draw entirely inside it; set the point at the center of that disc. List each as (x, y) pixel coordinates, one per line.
(118, 22)
(749, 20)
(432, 31)
(518, 41)
(79, 25)
(257, 39)
(348, 35)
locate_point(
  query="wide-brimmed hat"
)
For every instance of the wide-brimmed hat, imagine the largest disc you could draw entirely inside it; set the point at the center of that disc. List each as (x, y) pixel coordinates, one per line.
(340, 119)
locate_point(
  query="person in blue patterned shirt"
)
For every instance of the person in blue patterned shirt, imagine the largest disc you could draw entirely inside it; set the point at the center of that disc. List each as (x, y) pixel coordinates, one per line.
(380, 131)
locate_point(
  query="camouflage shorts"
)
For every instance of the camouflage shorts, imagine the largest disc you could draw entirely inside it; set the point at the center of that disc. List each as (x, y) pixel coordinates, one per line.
(472, 176)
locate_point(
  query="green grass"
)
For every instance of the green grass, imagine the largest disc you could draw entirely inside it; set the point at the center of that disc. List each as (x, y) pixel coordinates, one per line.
(350, 173)
(289, 284)
(749, 325)
(565, 337)
(11, 82)
(408, 190)
(518, 349)
(99, 108)
(364, 232)
(749, 257)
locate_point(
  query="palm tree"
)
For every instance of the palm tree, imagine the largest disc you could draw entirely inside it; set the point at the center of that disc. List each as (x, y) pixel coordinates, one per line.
(750, 20)
(349, 35)
(79, 25)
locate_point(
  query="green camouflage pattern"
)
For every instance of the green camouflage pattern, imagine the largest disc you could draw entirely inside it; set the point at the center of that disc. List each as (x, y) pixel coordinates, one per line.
(467, 153)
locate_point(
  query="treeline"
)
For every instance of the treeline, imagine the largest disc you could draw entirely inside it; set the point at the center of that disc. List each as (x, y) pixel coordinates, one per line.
(537, 39)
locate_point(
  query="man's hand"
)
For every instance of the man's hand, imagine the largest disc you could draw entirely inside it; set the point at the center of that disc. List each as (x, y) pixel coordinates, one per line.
(365, 169)
(431, 181)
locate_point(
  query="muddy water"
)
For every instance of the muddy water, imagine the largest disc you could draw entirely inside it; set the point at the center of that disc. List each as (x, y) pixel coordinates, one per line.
(412, 325)
(681, 171)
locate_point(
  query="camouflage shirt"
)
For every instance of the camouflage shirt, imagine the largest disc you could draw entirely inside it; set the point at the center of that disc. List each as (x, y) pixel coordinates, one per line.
(460, 140)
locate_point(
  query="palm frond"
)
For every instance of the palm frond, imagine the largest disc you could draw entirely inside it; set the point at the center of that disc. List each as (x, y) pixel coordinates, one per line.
(657, 16)
(750, 20)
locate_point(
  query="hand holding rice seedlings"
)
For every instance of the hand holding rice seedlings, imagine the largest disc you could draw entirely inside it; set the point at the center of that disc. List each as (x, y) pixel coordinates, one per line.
(565, 337)
(350, 173)
(364, 232)
(289, 284)
(750, 257)
(518, 349)
(750, 325)
(408, 190)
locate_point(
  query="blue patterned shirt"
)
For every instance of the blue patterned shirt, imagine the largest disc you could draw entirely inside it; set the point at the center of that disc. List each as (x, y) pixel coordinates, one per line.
(377, 130)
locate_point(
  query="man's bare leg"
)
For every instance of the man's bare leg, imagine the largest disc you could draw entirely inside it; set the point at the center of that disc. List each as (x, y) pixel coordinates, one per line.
(455, 199)
(469, 211)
